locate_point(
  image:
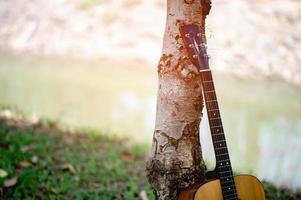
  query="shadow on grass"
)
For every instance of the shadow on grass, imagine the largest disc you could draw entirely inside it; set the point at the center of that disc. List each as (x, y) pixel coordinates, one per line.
(40, 161)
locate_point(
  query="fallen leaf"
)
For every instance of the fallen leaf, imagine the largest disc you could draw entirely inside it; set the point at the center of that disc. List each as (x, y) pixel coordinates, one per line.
(69, 168)
(126, 155)
(3, 173)
(27, 148)
(24, 164)
(34, 159)
(143, 195)
(11, 182)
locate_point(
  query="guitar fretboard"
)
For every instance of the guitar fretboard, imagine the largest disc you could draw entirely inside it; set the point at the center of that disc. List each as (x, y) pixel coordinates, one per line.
(223, 163)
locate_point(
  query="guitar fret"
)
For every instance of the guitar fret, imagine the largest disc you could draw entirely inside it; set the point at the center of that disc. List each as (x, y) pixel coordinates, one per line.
(219, 141)
(215, 118)
(213, 110)
(219, 126)
(228, 189)
(226, 174)
(204, 78)
(228, 184)
(229, 181)
(208, 85)
(210, 95)
(219, 145)
(229, 192)
(212, 105)
(215, 122)
(218, 120)
(213, 114)
(212, 101)
(232, 198)
(222, 157)
(217, 131)
(225, 167)
(209, 91)
(221, 148)
(218, 137)
(222, 154)
(233, 194)
(224, 160)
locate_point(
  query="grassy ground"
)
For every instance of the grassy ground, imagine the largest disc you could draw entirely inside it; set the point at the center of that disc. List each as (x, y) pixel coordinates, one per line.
(51, 164)
(44, 162)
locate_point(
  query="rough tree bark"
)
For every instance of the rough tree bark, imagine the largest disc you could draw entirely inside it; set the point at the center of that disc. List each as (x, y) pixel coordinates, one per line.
(176, 158)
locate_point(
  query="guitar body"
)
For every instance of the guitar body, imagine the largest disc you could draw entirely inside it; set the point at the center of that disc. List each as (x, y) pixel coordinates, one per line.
(247, 187)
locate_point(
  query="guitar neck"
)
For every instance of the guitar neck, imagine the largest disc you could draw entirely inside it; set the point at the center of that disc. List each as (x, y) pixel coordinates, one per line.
(214, 118)
(223, 164)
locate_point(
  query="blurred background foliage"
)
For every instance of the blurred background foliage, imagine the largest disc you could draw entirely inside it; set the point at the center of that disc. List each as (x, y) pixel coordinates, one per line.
(92, 64)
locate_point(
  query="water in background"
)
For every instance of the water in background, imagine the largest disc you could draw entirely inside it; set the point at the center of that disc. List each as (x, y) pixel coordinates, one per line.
(262, 117)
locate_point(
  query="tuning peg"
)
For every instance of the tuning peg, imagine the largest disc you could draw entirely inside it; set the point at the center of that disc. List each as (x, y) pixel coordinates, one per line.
(187, 35)
(191, 45)
(195, 56)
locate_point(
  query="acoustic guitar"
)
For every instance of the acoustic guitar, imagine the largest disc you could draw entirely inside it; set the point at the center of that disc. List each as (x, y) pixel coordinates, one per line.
(220, 184)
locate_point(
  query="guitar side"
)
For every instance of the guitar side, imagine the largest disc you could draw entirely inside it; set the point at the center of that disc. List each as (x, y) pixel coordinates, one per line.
(248, 188)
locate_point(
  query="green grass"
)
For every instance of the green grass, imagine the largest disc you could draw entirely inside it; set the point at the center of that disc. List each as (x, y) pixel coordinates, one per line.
(104, 167)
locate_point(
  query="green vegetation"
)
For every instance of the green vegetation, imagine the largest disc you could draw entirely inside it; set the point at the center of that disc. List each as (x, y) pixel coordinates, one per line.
(40, 161)
(52, 164)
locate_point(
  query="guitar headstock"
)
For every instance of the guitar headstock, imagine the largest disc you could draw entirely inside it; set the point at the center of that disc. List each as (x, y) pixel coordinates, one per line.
(196, 48)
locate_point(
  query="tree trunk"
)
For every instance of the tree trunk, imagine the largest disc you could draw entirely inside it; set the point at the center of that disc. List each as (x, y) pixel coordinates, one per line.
(176, 159)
